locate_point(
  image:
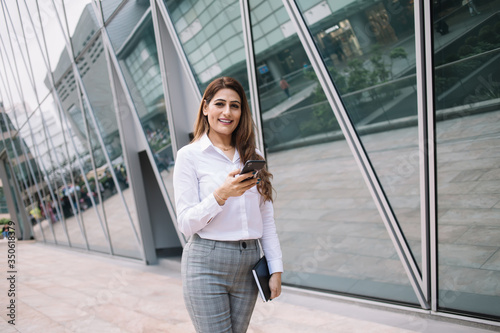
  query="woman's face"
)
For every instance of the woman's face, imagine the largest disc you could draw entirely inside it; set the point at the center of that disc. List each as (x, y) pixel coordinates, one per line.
(223, 112)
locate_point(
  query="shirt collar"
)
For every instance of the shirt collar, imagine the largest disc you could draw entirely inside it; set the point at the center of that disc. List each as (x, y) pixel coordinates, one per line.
(205, 143)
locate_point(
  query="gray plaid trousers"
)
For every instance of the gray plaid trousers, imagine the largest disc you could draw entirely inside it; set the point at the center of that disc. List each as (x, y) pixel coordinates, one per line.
(218, 286)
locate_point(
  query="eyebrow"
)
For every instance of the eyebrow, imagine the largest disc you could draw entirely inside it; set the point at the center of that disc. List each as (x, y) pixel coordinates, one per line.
(221, 99)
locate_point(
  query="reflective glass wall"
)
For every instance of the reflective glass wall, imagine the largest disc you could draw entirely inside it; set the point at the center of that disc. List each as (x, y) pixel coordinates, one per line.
(57, 97)
(467, 97)
(87, 85)
(327, 221)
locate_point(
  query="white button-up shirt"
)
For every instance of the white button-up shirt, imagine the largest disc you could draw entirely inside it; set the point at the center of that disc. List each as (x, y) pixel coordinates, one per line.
(200, 168)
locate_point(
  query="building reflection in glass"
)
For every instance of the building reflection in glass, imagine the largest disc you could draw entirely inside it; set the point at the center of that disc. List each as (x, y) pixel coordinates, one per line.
(466, 86)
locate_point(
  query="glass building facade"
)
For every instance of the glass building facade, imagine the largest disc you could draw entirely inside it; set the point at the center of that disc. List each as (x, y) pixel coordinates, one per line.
(384, 142)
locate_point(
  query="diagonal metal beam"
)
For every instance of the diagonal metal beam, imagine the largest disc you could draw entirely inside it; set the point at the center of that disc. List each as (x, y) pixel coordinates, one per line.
(252, 75)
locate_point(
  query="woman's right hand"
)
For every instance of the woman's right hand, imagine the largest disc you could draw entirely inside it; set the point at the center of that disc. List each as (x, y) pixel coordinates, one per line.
(235, 184)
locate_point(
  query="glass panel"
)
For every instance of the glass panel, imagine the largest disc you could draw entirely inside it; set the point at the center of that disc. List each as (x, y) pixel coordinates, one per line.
(83, 28)
(11, 143)
(124, 25)
(26, 229)
(54, 42)
(29, 165)
(467, 99)
(369, 50)
(30, 60)
(3, 201)
(115, 212)
(212, 38)
(15, 107)
(59, 177)
(11, 62)
(331, 233)
(26, 167)
(138, 59)
(109, 6)
(80, 162)
(38, 145)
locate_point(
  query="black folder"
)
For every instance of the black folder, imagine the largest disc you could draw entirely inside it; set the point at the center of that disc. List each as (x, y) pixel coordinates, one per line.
(261, 275)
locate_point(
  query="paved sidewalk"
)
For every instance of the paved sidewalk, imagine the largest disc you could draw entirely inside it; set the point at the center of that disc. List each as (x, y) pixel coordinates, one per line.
(60, 290)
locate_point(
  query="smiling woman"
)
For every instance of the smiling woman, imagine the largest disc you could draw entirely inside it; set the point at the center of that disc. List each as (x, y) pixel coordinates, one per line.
(223, 113)
(224, 213)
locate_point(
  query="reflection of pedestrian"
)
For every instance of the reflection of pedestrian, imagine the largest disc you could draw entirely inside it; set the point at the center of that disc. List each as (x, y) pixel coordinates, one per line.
(42, 209)
(121, 175)
(50, 212)
(337, 48)
(66, 206)
(284, 86)
(5, 231)
(305, 68)
(86, 199)
(109, 182)
(36, 213)
(472, 7)
(442, 27)
(54, 210)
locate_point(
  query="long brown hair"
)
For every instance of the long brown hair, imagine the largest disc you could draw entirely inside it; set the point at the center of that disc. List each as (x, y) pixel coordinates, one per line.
(243, 137)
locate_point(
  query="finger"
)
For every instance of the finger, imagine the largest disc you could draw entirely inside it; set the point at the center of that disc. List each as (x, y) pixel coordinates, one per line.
(244, 177)
(248, 184)
(234, 172)
(250, 174)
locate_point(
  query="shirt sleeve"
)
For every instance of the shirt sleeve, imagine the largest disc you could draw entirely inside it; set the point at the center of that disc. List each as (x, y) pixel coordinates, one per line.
(193, 214)
(270, 241)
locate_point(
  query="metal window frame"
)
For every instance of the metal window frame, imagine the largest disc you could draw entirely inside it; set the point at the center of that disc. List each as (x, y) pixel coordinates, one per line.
(31, 131)
(114, 67)
(16, 156)
(102, 144)
(18, 85)
(86, 99)
(60, 108)
(56, 98)
(48, 137)
(13, 191)
(178, 47)
(163, 70)
(428, 36)
(358, 152)
(120, 84)
(252, 74)
(76, 74)
(161, 11)
(425, 162)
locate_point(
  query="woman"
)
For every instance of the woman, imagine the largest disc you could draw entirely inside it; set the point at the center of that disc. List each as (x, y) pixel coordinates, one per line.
(224, 213)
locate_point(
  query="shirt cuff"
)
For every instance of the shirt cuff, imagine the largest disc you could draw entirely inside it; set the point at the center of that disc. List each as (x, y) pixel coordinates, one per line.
(275, 266)
(214, 207)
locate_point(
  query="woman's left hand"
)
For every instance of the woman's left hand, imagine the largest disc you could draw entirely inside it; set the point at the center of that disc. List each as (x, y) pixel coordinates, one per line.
(275, 285)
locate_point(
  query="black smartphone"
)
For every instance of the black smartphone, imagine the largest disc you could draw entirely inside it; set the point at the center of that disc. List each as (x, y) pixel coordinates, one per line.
(253, 165)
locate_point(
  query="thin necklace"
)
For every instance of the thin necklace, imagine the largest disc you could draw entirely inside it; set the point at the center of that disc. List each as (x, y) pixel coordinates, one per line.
(225, 149)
